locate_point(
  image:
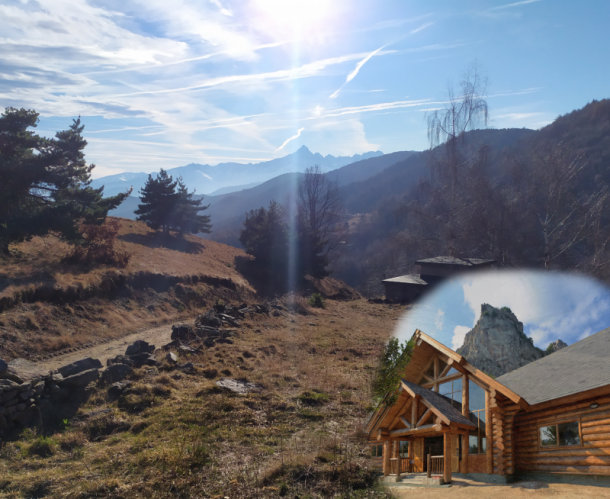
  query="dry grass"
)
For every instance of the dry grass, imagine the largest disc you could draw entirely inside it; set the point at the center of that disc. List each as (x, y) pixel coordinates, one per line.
(37, 329)
(175, 434)
(39, 261)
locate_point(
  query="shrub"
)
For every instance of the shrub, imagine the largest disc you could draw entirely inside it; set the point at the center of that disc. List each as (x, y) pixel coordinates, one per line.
(42, 446)
(506, 309)
(98, 245)
(317, 301)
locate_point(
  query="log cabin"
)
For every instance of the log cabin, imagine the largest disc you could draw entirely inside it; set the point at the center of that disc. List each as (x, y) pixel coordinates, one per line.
(548, 420)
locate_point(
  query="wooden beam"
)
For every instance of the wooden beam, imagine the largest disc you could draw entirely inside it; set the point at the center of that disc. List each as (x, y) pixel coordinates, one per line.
(440, 347)
(424, 417)
(403, 410)
(444, 372)
(438, 413)
(571, 399)
(408, 390)
(386, 457)
(465, 395)
(420, 429)
(405, 422)
(430, 380)
(442, 380)
(451, 363)
(382, 432)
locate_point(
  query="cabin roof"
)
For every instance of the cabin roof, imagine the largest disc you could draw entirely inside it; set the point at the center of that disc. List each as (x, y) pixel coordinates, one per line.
(408, 279)
(452, 260)
(440, 403)
(582, 366)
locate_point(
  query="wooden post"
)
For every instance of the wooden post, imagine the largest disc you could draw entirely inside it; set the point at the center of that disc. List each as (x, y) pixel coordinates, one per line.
(488, 436)
(397, 456)
(465, 395)
(465, 452)
(414, 413)
(410, 455)
(436, 373)
(465, 412)
(429, 466)
(386, 457)
(447, 457)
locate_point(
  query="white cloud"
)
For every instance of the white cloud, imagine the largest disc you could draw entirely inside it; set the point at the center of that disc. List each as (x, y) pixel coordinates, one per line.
(459, 333)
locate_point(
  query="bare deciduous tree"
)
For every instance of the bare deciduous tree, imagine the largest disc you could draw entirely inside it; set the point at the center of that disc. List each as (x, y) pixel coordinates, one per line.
(319, 205)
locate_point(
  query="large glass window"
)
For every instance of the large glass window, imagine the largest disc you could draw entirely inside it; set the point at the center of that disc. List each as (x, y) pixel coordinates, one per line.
(560, 434)
(452, 390)
(477, 441)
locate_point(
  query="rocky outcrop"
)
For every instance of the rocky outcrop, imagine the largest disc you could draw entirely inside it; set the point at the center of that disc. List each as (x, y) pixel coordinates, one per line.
(553, 347)
(497, 344)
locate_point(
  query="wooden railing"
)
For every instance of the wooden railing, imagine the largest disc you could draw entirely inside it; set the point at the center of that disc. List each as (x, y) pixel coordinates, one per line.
(435, 465)
(395, 462)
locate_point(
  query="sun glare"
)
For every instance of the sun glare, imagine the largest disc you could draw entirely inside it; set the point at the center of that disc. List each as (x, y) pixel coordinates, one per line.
(296, 17)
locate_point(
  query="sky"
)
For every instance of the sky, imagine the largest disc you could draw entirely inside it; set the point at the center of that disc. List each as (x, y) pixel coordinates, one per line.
(163, 84)
(551, 306)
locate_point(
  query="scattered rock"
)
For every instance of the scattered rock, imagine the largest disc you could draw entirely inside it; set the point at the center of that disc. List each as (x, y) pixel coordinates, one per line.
(7, 385)
(171, 357)
(311, 324)
(224, 340)
(81, 379)
(238, 386)
(79, 366)
(139, 347)
(210, 373)
(116, 389)
(143, 358)
(3, 367)
(120, 359)
(261, 309)
(21, 370)
(276, 313)
(185, 349)
(116, 372)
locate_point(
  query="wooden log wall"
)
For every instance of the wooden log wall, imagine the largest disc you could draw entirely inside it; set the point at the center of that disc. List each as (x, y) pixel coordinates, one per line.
(502, 414)
(592, 457)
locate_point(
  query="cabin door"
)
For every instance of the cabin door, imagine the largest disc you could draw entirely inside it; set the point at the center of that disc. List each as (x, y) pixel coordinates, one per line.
(418, 455)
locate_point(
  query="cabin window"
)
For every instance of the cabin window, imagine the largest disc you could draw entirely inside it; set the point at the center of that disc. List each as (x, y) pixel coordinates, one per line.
(560, 434)
(377, 450)
(404, 449)
(452, 390)
(477, 441)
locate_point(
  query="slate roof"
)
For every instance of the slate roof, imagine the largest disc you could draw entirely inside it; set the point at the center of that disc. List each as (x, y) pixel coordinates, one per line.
(452, 260)
(440, 403)
(408, 279)
(582, 366)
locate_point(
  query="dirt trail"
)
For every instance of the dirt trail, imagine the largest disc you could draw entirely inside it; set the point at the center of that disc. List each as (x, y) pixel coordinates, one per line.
(158, 336)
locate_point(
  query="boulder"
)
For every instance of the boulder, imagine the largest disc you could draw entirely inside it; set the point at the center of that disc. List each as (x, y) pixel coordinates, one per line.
(21, 371)
(138, 347)
(116, 389)
(182, 331)
(120, 359)
(79, 366)
(210, 319)
(81, 379)
(3, 367)
(238, 386)
(116, 372)
(171, 357)
(144, 358)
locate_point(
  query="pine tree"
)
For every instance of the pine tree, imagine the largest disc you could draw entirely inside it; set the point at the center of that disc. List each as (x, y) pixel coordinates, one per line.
(264, 236)
(185, 215)
(45, 183)
(159, 199)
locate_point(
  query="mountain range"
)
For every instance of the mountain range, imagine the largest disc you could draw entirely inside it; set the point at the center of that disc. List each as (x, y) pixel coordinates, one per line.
(227, 177)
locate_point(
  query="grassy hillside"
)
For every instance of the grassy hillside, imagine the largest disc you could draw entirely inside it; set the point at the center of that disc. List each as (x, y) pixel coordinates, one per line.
(48, 305)
(173, 432)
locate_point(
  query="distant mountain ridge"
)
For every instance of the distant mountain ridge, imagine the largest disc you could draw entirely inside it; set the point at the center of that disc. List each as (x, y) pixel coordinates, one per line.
(206, 179)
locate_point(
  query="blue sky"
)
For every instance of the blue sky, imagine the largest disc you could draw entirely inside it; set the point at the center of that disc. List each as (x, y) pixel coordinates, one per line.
(551, 305)
(162, 84)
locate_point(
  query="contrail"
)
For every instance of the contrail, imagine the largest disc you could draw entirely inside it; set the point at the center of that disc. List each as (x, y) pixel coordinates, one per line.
(291, 138)
(353, 74)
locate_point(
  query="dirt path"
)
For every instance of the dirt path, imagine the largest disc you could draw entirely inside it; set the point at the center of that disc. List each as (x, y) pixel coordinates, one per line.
(158, 336)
